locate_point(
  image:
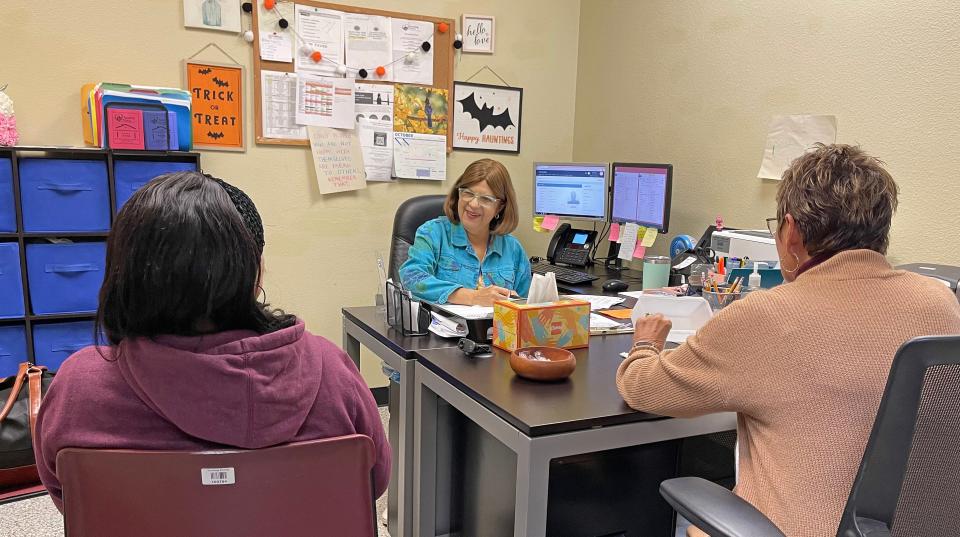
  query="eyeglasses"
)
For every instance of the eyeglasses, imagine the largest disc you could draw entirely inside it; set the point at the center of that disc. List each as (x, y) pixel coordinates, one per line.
(773, 225)
(487, 202)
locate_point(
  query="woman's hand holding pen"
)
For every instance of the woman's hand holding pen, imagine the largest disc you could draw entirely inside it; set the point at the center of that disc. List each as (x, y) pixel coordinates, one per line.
(487, 295)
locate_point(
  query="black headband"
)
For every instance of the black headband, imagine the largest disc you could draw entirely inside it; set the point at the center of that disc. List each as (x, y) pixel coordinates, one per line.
(246, 208)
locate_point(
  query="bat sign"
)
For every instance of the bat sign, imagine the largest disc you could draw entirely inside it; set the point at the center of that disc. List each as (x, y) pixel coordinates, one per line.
(221, 83)
(215, 135)
(205, 71)
(485, 116)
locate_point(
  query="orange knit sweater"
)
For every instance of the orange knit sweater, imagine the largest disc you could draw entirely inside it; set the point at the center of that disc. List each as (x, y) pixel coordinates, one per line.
(804, 365)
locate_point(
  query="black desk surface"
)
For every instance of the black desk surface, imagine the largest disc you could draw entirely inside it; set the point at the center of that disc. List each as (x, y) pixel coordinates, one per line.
(589, 398)
(373, 320)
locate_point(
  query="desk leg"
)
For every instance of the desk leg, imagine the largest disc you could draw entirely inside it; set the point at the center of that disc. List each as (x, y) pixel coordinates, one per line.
(533, 478)
(351, 345)
(424, 459)
(405, 432)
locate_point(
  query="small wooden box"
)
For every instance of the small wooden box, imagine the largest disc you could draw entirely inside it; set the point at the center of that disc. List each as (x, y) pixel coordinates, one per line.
(564, 324)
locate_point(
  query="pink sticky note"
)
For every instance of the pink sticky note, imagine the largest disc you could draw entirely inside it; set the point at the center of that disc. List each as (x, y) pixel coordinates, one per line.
(550, 221)
(614, 232)
(639, 250)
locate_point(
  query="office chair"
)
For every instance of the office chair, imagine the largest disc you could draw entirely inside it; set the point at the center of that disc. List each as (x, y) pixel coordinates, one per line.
(410, 215)
(315, 488)
(906, 485)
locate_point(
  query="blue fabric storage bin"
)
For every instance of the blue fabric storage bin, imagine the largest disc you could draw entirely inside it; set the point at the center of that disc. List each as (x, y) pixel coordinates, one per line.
(130, 175)
(64, 195)
(13, 348)
(8, 214)
(55, 342)
(11, 282)
(65, 278)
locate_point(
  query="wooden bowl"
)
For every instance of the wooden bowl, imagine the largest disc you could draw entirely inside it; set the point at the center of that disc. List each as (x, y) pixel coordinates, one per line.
(559, 365)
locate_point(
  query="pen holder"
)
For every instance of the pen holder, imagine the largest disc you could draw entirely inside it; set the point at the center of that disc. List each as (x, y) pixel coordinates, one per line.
(722, 298)
(404, 313)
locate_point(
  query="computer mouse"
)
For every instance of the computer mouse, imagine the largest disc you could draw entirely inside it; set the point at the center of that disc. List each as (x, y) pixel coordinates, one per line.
(615, 286)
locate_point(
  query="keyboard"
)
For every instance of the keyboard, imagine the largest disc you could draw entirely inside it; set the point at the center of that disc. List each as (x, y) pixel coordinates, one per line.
(564, 275)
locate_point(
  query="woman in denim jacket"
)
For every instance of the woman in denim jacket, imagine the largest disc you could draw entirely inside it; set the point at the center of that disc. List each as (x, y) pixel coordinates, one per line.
(468, 256)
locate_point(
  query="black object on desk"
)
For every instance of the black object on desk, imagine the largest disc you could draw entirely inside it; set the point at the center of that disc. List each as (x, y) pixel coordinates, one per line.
(615, 286)
(564, 275)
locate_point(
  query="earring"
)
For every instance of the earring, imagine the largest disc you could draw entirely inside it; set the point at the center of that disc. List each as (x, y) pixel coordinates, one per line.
(795, 256)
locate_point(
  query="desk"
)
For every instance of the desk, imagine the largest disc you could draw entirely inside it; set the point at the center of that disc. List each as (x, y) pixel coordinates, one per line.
(537, 422)
(367, 326)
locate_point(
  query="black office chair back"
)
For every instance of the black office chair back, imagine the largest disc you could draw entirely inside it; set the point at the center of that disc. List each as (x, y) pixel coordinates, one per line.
(410, 215)
(908, 478)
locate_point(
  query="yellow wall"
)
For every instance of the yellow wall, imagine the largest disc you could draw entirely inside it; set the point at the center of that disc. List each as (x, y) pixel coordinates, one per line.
(695, 84)
(320, 252)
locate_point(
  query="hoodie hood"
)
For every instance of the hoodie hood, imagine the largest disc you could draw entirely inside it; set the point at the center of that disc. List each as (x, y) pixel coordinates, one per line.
(236, 388)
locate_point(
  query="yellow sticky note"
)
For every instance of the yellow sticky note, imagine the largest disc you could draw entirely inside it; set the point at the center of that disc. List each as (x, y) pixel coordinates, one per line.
(649, 237)
(538, 224)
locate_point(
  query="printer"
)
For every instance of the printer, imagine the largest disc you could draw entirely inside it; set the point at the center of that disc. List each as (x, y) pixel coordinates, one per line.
(946, 274)
(756, 244)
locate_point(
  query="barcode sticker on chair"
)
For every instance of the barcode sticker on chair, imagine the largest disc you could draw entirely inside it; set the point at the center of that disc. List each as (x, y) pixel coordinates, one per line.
(217, 476)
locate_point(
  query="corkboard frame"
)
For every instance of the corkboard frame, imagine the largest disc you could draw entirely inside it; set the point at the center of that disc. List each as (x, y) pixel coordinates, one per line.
(443, 53)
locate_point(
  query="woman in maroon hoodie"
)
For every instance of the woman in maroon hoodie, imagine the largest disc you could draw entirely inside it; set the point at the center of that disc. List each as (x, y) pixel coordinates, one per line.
(194, 360)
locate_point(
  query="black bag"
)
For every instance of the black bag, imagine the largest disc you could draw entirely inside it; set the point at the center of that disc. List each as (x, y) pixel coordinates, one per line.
(20, 395)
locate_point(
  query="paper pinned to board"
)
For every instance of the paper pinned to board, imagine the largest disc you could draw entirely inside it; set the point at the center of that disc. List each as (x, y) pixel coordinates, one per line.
(791, 136)
(337, 159)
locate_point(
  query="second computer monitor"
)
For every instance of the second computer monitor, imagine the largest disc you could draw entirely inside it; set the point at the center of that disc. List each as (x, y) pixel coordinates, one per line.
(641, 194)
(570, 190)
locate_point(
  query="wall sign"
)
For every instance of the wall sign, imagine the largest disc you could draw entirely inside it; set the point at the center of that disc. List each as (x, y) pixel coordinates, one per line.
(217, 94)
(486, 117)
(478, 33)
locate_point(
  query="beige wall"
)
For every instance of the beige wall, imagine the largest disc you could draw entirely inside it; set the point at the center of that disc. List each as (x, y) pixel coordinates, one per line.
(694, 83)
(320, 252)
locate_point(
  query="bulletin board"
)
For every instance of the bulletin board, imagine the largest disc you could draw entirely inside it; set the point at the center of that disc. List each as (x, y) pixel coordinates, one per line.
(443, 54)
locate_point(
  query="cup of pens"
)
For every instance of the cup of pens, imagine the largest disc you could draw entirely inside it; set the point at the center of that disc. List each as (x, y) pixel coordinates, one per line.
(720, 296)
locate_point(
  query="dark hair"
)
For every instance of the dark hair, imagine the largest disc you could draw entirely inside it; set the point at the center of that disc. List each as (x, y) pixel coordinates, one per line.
(841, 198)
(182, 261)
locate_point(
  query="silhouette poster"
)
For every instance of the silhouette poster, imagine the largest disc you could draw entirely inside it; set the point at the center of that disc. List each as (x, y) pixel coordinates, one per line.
(486, 117)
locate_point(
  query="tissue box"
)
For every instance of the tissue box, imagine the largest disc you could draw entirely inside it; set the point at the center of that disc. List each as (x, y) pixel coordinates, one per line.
(564, 324)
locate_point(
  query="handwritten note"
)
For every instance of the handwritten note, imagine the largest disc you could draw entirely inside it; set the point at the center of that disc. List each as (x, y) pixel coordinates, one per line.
(614, 232)
(628, 241)
(649, 236)
(550, 222)
(337, 159)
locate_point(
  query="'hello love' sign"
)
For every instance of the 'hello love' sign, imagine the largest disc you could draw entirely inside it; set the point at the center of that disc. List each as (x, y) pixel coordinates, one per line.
(478, 33)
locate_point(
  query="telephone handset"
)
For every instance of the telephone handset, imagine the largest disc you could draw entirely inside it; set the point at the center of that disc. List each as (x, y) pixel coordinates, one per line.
(571, 246)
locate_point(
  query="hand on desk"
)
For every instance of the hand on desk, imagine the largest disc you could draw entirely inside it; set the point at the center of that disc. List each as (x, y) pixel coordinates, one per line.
(652, 329)
(486, 296)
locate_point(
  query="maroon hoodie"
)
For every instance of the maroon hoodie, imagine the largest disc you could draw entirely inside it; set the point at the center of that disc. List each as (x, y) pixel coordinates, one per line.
(235, 388)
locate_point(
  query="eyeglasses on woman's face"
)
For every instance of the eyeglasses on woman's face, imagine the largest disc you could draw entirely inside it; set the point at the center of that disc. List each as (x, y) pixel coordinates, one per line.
(773, 226)
(487, 202)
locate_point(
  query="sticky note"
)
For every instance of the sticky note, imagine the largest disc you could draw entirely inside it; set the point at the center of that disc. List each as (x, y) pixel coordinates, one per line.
(614, 232)
(639, 251)
(649, 237)
(550, 222)
(538, 224)
(628, 241)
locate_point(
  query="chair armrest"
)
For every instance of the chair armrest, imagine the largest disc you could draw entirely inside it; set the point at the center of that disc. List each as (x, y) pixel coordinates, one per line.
(716, 510)
(869, 527)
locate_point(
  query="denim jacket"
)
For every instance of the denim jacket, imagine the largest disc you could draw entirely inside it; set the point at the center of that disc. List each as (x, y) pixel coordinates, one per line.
(442, 261)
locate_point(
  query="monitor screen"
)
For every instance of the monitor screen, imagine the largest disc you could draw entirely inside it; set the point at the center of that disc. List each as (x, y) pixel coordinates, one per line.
(641, 194)
(576, 191)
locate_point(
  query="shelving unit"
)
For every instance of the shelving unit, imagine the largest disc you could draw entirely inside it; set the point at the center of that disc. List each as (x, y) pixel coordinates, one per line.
(23, 238)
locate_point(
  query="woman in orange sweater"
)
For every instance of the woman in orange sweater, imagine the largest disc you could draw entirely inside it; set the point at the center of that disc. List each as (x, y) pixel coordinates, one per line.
(804, 364)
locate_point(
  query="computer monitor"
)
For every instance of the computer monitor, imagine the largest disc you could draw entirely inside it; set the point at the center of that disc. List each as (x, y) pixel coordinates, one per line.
(570, 190)
(641, 194)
